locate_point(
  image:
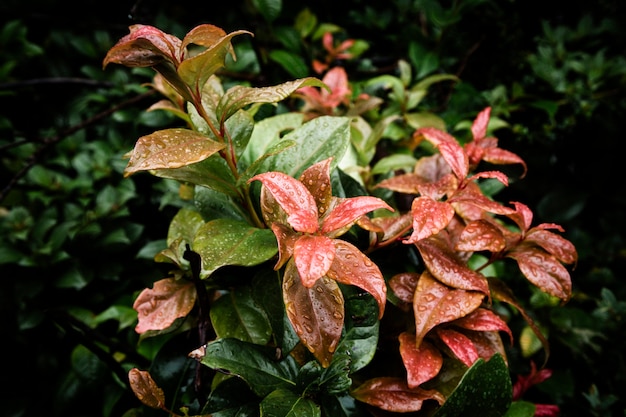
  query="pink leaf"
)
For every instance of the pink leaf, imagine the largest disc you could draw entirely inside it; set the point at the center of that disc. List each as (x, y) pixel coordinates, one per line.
(159, 307)
(422, 364)
(484, 320)
(544, 270)
(352, 267)
(316, 179)
(481, 235)
(393, 394)
(460, 345)
(479, 126)
(452, 152)
(429, 218)
(313, 256)
(294, 198)
(554, 244)
(144, 46)
(349, 210)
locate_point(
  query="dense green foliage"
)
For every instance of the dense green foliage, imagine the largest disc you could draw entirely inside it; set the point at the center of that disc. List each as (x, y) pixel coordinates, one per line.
(78, 239)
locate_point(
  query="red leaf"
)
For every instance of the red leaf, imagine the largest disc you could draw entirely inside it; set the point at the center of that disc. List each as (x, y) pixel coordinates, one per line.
(145, 389)
(313, 256)
(404, 183)
(476, 198)
(294, 198)
(393, 394)
(352, 267)
(422, 364)
(144, 46)
(403, 285)
(554, 244)
(429, 218)
(479, 126)
(159, 307)
(286, 239)
(522, 216)
(487, 344)
(484, 320)
(316, 179)
(447, 268)
(501, 157)
(543, 270)
(316, 313)
(435, 303)
(481, 235)
(452, 152)
(349, 210)
(460, 345)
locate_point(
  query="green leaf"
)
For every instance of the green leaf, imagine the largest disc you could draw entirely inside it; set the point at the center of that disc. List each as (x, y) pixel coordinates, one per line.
(239, 128)
(232, 398)
(236, 315)
(394, 162)
(484, 391)
(285, 403)
(240, 96)
(184, 225)
(212, 173)
(336, 378)
(291, 62)
(224, 242)
(315, 141)
(216, 205)
(269, 9)
(170, 148)
(521, 409)
(253, 363)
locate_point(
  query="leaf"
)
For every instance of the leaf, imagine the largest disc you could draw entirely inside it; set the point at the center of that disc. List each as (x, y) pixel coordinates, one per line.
(479, 126)
(231, 398)
(351, 266)
(213, 205)
(554, 244)
(212, 173)
(449, 148)
(286, 403)
(239, 96)
(422, 363)
(145, 389)
(294, 198)
(184, 225)
(447, 268)
(313, 256)
(393, 394)
(403, 285)
(316, 313)
(236, 315)
(144, 46)
(544, 271)
(460, 345)
(434, 304)
(480, 235)
(159, 307)
(484, 391)
(170, 148)
(429, 218)
(250, 362)
(350, 210)
(224, 242)
(316, 179)
(483, 320)
(195, 71)
(291, 62)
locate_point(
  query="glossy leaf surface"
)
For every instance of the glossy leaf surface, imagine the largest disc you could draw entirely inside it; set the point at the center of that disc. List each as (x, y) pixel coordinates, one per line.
(236, 315)
(159, 307)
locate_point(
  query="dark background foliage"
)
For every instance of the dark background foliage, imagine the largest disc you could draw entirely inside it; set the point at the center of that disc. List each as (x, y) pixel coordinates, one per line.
(78, 239)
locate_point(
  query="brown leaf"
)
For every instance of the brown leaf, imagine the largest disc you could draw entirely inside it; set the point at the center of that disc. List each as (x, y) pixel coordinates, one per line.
(435, 303)
(404, 183)
(352, 267)
(144, 46)
(393, 394)
(447, 268)
(460, 345)
(170, 148)
(316, 313)
(145, 389)
(422, 364)
(403, 285)
(483, 320)
(286, 239)
(487, 344)
(554, 244)
(313, 256)
(543, 270)
(481, 235)
(429, 218)
(449, 148)
(159, 307)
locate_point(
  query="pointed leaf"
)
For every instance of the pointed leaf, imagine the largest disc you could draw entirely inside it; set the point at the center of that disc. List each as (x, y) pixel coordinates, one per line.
(479, 126)
(294, 198)
(316, 179)
(313, 256)
(252, 363)
(452, 152)
(434, 304)
(481, 235)
(447, 268)
(353, 267)
(316, 313)
(483, 320)
(239, 96)
(429, 218)
(554, 244)
(224, 242)
(145, 389)
(236, 315)
(460, 345)
(404, 285)
(393, 394)
(286, 243)
(544, 270)
(484, 391)
(144, 46)
(170, 148)
(422, 364)
(349, 210)
(212, 173)
(283, 402)
(159, 307)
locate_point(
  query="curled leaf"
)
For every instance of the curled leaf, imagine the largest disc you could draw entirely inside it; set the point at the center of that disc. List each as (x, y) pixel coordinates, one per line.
(159, 307)
(145, 389)
(393, 394)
